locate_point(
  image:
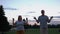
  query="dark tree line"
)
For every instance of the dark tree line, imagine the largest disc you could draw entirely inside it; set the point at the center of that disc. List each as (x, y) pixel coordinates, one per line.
(38, 26)
(54, 26)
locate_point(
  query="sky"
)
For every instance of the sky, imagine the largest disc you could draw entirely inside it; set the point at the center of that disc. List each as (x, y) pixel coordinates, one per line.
(30, 8)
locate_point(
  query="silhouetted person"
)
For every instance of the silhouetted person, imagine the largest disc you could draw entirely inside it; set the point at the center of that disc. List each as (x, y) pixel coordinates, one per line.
(4, 25)
(43, 19)
(27, 20)
(13, 21)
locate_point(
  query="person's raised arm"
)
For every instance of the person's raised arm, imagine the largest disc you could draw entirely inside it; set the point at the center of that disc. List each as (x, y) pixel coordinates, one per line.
(14, 25)
(25, 21)
(50, 19)
(36, 20)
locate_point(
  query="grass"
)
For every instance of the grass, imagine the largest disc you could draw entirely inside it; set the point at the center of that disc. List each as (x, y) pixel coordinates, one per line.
(37, 31)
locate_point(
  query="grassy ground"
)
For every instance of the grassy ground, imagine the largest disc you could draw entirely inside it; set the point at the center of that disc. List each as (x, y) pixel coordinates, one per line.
(37, 31)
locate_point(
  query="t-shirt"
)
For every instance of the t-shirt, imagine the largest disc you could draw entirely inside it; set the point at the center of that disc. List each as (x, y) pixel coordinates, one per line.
(20, 25)
(43, 21)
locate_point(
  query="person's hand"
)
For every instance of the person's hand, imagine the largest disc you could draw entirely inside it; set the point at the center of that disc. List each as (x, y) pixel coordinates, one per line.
(34, 17)
(51, 17)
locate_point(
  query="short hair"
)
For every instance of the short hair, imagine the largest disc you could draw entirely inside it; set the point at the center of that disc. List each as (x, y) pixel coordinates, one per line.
(42, 11)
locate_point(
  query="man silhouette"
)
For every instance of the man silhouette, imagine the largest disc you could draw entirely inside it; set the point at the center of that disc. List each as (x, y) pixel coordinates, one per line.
(43, 19)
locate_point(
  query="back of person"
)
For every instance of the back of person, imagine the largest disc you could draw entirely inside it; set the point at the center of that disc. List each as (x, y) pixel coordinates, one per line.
(43, 21)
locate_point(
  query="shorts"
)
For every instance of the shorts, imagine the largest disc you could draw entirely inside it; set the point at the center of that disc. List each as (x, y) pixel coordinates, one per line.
(44, 30)
(20, 32)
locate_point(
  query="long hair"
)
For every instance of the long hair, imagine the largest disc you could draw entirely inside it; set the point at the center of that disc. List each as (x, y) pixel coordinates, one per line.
(19, 18)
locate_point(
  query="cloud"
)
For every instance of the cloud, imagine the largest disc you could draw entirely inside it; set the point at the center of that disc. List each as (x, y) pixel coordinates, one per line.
(10, 8)
(56, 16)
(31, 12)
(58, 12)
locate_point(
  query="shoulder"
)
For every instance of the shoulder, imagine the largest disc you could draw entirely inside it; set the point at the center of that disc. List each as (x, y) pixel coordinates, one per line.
(16, 21)
(39, 16)
(46, 16)
(23, 21)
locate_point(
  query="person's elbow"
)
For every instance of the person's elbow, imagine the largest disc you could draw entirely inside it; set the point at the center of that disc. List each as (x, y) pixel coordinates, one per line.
(37, 21)
(49, 21)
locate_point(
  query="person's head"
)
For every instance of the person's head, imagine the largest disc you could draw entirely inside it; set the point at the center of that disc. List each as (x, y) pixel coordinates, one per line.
(42, 12)
(19, 18)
